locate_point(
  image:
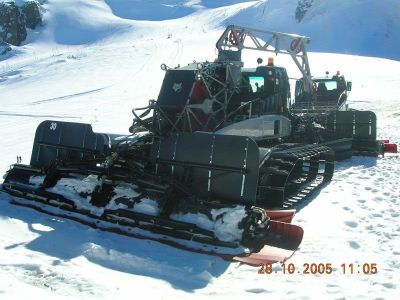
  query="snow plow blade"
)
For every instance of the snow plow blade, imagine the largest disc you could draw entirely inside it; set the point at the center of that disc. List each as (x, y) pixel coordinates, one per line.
(358, 125)
(204, 165)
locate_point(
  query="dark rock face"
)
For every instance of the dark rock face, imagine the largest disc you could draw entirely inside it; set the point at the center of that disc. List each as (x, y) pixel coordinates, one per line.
(302, 8)
(12, 24)
(14, 20)
(32, 14)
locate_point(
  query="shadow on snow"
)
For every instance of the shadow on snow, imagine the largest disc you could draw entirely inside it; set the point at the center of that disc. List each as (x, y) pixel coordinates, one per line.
(68, 239)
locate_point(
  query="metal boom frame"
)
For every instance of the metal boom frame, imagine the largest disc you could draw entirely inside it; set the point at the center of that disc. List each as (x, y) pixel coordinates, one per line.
(234, 38)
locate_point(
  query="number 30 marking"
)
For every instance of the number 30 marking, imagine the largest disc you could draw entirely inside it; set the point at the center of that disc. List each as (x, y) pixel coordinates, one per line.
(53, 126)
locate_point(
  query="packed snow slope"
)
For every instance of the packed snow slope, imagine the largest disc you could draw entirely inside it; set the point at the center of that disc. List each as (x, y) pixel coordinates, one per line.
(95, 60)
(367, 27)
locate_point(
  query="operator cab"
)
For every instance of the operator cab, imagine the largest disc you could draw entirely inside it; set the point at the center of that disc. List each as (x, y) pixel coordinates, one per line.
(328, 91)
(264, 90)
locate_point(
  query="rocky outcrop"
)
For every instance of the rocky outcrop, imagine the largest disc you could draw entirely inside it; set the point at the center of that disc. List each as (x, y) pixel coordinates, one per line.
(31, 11)
(302, 8)
(14, 20)
(12, 24)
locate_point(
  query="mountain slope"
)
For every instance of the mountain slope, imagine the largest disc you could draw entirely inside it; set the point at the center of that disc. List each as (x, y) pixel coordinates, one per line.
(369, 28)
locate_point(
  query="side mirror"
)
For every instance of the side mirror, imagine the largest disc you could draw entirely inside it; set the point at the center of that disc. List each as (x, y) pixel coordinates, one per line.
(348, 86)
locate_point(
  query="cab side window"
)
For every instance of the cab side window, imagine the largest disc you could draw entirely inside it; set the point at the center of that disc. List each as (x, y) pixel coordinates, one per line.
(256, 84)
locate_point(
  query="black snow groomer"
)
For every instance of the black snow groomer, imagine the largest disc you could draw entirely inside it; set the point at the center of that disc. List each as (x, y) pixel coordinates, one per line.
(206, 166)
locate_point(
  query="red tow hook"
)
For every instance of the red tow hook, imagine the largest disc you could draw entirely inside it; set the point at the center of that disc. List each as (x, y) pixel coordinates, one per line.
(389, 147)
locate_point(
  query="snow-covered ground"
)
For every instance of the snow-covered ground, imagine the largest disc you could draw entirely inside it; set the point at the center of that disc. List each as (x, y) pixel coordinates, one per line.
(366, 27)
(95, 60)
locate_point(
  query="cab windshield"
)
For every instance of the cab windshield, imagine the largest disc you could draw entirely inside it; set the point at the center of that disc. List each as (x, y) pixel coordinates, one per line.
(330, 85)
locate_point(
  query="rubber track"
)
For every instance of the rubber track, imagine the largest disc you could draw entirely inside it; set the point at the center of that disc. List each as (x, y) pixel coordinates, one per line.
(291, 175)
